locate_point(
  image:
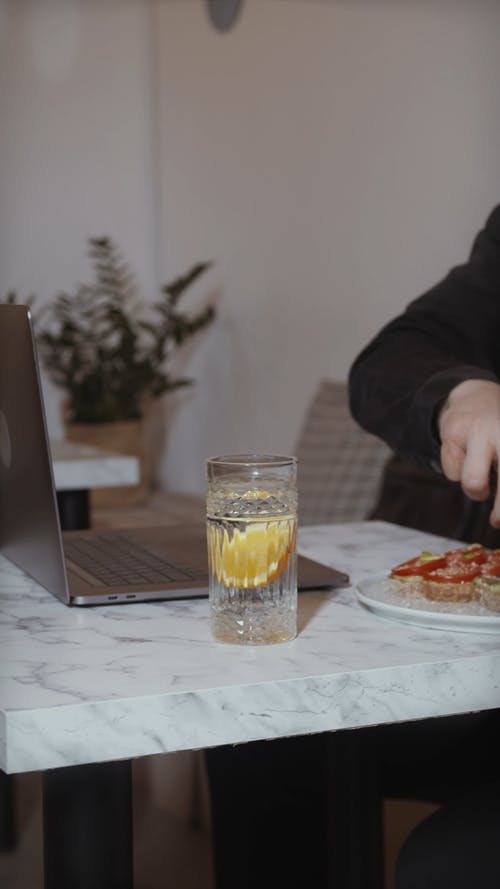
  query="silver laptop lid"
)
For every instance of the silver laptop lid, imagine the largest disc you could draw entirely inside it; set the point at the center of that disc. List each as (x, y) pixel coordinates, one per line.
(30, 533)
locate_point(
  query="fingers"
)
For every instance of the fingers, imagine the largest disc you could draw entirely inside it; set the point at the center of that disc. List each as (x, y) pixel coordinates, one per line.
(495, 512)
(469, 428)
(495, 486)
(452, 460)
(475, 470)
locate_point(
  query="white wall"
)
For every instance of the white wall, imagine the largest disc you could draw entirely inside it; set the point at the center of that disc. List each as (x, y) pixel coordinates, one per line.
(334, 158)
(75, 143)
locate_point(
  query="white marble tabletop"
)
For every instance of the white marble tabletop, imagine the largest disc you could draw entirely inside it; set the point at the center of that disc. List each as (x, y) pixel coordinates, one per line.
(89, 685)
(79, 466)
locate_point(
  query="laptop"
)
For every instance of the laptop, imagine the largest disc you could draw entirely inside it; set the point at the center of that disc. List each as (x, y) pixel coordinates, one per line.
(85, 567)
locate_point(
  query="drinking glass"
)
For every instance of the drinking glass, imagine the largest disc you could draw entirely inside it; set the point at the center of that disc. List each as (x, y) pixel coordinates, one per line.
(252, 556)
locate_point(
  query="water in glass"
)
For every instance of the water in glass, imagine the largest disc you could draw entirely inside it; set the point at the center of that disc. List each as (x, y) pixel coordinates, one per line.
(251, 536)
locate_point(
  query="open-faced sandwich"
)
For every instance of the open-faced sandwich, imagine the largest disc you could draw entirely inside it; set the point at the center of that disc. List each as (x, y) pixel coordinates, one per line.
(487, 583)
(470, 573)
(408, 578)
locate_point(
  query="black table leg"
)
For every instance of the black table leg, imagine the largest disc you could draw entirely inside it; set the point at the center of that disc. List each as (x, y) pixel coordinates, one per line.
(74, 509)
(355, 809)
(87, 827)
(7, 820)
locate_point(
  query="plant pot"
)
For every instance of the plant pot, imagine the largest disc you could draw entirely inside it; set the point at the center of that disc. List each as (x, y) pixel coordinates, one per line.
(128, 437)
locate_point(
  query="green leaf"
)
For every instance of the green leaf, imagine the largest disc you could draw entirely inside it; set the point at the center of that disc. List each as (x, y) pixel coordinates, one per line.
(107, 348)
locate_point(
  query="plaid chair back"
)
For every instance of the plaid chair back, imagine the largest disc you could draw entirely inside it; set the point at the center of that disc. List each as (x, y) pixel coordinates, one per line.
(340, 465)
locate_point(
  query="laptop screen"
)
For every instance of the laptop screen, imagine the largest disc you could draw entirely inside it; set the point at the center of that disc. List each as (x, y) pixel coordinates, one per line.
(30, 533)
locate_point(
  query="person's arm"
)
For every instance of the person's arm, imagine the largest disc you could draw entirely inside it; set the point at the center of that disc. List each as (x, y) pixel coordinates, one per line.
(401, 381)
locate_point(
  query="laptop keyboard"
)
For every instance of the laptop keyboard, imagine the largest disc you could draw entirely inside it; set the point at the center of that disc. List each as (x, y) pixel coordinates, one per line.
(119, 560)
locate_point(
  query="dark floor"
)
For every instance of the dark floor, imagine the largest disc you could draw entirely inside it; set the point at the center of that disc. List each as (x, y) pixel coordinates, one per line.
(169, 853)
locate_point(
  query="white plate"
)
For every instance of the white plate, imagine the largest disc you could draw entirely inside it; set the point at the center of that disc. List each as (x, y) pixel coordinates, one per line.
(375, 594)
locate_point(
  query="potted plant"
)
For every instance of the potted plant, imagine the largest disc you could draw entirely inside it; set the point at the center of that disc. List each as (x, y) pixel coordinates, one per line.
(109, 352)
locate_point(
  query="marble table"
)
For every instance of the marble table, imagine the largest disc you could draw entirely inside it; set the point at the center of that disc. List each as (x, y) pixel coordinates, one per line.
(79, 467)
(80, 687)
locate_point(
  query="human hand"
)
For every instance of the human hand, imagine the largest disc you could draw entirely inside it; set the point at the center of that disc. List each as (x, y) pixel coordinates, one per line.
(469, 428)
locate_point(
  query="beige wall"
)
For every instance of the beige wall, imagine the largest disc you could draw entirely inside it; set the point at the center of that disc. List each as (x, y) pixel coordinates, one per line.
(333, 158)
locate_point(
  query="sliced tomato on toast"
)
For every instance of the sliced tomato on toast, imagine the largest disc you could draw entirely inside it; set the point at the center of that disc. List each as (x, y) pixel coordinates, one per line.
(419, 565)
(491, 565)
(475, 554)
(459, 572)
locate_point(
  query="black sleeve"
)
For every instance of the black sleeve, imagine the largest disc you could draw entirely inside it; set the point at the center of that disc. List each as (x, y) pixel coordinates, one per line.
(450, 334)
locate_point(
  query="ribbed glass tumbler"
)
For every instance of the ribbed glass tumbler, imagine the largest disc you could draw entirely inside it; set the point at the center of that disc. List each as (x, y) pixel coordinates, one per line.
(252, 555)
